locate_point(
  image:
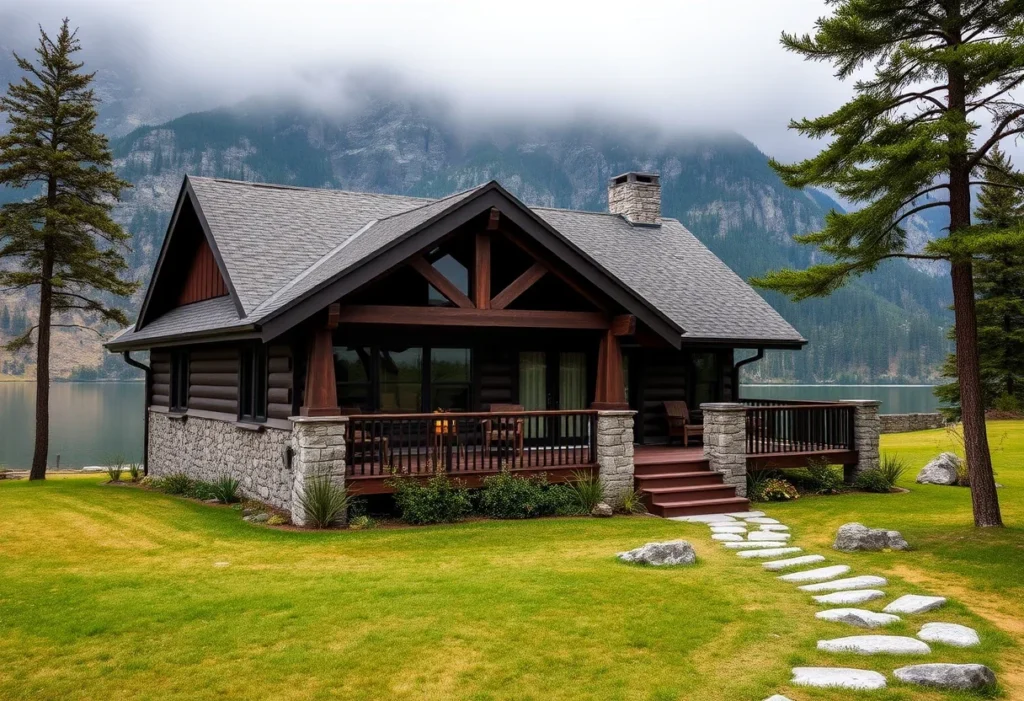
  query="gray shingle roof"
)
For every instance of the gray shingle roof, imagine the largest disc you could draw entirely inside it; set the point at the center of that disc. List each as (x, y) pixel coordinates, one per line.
(313, 235)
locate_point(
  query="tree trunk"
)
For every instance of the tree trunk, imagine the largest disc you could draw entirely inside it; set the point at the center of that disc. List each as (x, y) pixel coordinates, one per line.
(42, 443)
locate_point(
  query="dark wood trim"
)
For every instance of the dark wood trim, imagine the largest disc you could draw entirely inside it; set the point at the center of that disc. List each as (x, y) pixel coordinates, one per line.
(610, 390)
(454, 316)
(779, 461)
(494, 220)
(482, 270)
(203, 279)
(518, 286)
(321, 396)
(532, 251)
(624, 325)
(441, 283)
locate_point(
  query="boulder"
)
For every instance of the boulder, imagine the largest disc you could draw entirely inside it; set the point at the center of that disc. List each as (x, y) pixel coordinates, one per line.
(673, 552)
(950, 634)
(941, 470)
(602, 510)
(855, 536)
(948, 676)
(261, 517)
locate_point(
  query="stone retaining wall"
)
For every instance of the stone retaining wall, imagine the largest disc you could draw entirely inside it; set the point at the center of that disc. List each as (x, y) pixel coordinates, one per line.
(902, 423)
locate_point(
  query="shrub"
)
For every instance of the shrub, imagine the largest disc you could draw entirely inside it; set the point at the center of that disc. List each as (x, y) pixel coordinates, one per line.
(1008, 403)
(756, 480)
(825, 478)
(892, 468)
(276, 520)
(632, 502)
(176, 483)
(202, 490)
(561, 500)
(506, 495)
(774, 489)
(324, 502)
(873, 480)
(135, 471)
(361, 523)
(115, 469)
(225, 489)
(588, 490)
(438, 500)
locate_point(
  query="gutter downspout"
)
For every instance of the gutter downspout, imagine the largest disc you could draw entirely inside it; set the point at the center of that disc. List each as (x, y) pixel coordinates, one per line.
(149, 380)
(736, 370)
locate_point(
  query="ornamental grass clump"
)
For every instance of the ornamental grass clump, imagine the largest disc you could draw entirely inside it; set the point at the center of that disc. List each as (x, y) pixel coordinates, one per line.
(135, 471)
(115, 469)
(225, 489)
(632, 502)
(324, 502)
(587, 489)
(891, 468)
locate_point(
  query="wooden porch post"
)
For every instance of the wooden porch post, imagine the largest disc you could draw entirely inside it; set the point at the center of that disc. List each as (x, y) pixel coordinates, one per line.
(610, 390)
(321, 397)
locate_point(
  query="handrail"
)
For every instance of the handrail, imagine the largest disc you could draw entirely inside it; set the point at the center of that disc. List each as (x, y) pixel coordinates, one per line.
(800, 428)
(472, 414)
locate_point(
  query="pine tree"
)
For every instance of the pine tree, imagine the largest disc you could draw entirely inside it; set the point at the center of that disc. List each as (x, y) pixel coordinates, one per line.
(63, 240)
(999, 286)
(940, 68)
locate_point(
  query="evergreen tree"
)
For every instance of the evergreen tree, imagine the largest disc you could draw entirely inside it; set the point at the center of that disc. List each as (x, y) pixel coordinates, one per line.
(912, 132)
(5, 319)
(999, 287)
(62, 240)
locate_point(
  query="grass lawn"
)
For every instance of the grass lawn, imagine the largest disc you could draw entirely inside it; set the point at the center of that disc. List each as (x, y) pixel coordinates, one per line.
(109, 593)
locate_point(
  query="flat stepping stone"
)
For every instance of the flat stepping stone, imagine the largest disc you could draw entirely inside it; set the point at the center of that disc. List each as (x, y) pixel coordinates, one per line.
(778, 697)
(948, 676)
(867, 580)
(748, 545)
(876, 645)
(729, 529)
(763, 521)
(837, 677)
(950, 634)
(914, 603)
(775, 565)
(726, 536)
(818, 575)
(769, 552)
(856, 596)
(746, 514)
(705, 518)
(767, 535)
(862, 618)
(774, 527)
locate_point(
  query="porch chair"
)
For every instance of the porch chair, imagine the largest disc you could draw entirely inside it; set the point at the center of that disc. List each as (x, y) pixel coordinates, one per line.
(679, 424)
(363, 442)
(504, 429)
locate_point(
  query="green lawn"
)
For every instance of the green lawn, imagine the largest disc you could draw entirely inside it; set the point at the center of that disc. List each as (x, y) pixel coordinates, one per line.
(110, 593)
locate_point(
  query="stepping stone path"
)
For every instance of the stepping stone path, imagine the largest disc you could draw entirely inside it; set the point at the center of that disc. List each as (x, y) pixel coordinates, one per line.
(729, 529)
(705, 518)
(746, 514)
(768, 535)
(912, 603)
(775, 565)
(818, 575)
(747, 544)
(837, 677)
(856, 596)
(769, 552)
(726, 536)
(869, 580)
(774, 527)
(876, 645)
(778, 697)
(947, 676)
(862, 618)
(950, 634)
(761, 520)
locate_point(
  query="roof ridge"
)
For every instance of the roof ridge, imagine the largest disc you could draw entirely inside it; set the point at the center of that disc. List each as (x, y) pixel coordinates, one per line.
(309, 188)
(432, 202)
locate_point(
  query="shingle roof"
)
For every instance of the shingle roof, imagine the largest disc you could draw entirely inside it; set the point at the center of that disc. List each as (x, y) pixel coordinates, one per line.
(314, 235)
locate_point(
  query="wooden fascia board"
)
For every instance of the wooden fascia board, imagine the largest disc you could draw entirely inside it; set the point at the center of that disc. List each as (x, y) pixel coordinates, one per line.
(480, 318)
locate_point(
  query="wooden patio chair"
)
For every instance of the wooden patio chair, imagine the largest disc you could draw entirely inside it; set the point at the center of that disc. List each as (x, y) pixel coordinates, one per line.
(679, 424)
(362, 441)
(504, 429)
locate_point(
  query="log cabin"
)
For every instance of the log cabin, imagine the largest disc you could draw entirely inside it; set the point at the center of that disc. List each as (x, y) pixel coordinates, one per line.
(294, 331)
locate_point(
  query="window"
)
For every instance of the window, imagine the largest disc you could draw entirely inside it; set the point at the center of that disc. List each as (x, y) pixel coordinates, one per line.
(179, 380)
(450, 387)
(401, 380)
(456, 273)
(705, 379)
(353, 371)
(252, 383)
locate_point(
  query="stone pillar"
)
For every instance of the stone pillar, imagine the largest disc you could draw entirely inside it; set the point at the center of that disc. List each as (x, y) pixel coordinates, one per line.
(615, 453)
(867, 427)
(725, 442)
(318, 449)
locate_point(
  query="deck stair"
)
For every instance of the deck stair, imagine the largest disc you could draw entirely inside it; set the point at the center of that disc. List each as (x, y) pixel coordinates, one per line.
(679, 482)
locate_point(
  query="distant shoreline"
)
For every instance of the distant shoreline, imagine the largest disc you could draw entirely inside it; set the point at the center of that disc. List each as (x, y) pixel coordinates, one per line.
(823, 384)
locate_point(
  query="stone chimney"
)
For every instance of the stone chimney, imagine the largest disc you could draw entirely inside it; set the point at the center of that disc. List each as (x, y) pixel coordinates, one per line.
(637, 197)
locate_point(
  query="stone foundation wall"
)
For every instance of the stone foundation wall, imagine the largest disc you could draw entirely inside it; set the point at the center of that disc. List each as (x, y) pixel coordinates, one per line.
(615, 453)
(205, 449)
(902, 423)
(725, 443)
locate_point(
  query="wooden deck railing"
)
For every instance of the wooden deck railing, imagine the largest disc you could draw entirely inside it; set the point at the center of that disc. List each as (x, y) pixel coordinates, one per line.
(804, 427)
(468, 442)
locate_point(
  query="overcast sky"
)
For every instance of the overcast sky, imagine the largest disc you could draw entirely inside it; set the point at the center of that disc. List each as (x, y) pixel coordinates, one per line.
(681, 64)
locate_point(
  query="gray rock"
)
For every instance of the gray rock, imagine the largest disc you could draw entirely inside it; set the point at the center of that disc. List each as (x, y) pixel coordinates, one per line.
(768, 552)
(860, 582)
(673, 552)
(734, 537)
(857, 596)
(602, 510)
(855, 536)
(260, 517)
(947, 676)
(818, 575)
(941, 470)
(837, 677)
(876, 645)
(775, 565)
(914, 603)
(950, 634)
(862, 618)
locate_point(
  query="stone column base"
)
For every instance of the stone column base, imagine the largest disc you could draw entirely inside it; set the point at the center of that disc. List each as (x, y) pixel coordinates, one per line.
(725, 442)
(866, 430)
(615, 453)
(318, 451)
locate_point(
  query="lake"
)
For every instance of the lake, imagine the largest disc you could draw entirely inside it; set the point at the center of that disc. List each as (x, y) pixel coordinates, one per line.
(93, 422)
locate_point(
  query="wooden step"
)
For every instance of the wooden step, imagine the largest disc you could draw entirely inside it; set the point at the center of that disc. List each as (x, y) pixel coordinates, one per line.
(700, 507)
(661, 467)
(676, 479)
(688, 493)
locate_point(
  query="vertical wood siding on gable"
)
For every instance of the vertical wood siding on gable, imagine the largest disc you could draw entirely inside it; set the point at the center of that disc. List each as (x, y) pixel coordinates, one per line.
(203, 280)
(280, 382)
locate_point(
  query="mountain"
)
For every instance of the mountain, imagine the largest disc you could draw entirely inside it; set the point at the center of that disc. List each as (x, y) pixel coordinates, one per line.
(886, 327)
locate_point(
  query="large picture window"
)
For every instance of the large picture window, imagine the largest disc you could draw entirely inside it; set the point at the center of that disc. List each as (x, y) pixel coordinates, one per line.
(353, 370)
(450, 387)
(252, 383)
(403, 380)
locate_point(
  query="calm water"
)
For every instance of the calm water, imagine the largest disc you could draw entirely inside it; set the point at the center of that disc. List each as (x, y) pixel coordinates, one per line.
(91, 422)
